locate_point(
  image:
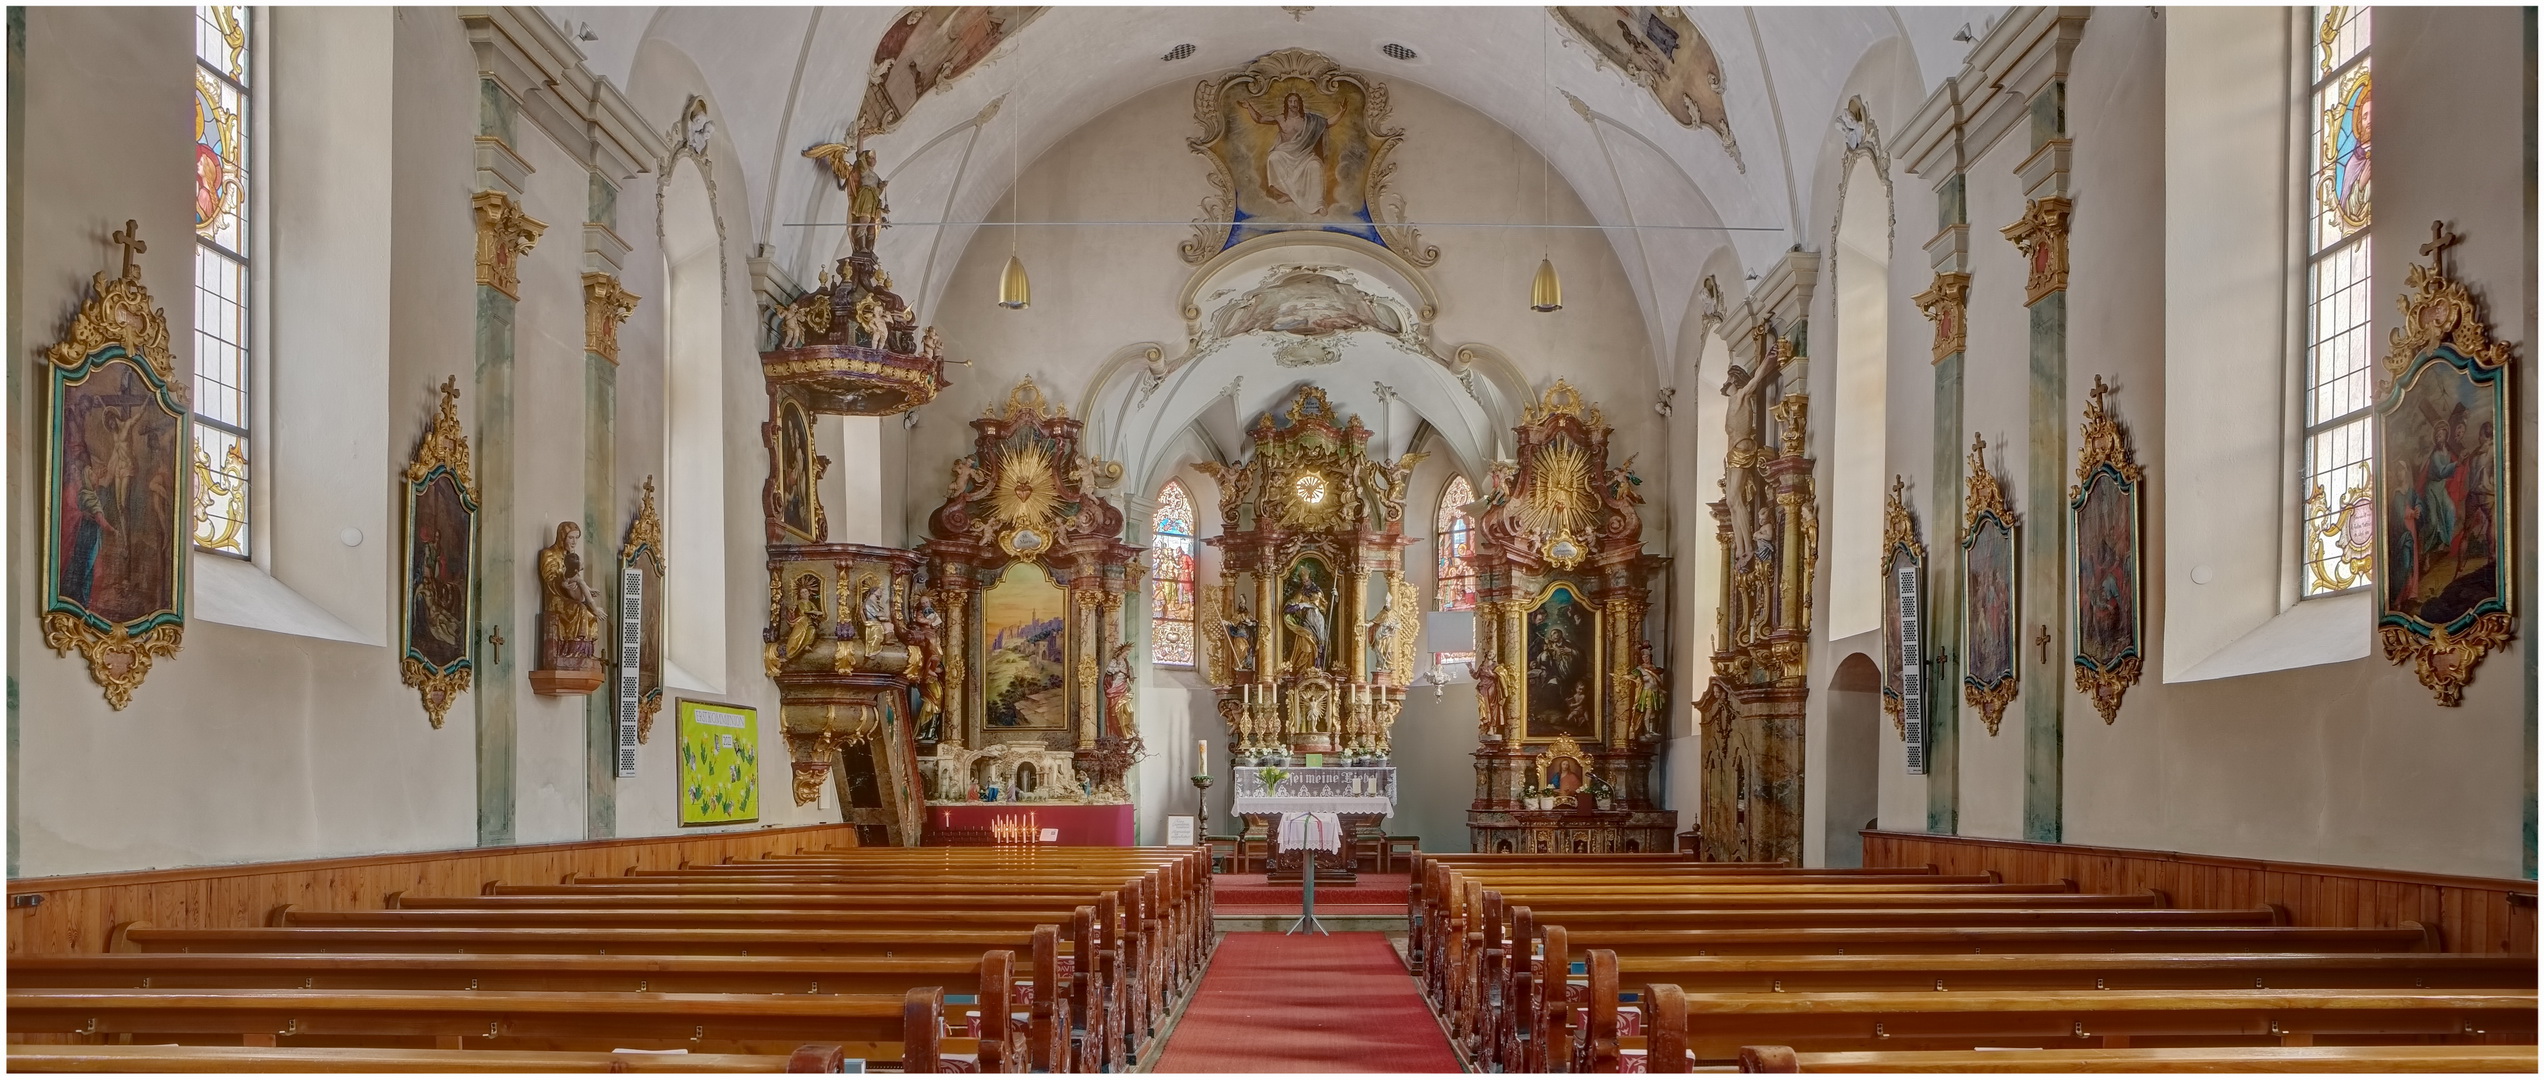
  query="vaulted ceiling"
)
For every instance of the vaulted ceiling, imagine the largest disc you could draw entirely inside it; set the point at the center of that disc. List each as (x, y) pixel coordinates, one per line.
(782, 79)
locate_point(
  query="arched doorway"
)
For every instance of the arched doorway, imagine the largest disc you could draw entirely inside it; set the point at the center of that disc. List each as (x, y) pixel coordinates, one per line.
(1854, 753)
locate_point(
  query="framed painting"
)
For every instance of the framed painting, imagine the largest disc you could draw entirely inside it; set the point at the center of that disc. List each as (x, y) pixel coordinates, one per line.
(719, 763)
(1559, 697)
(1024, 652)
(438, 609)
(794, 498)
(118, 507)
(1989, 594)
(2444, 503)
(640, 629)
(2106, 531)
(1904, 625)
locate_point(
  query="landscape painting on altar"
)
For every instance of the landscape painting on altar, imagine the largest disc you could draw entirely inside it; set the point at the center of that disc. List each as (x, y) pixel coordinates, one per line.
(2442, 467)
(119, 542)
(1562, 696)
(1024, 651)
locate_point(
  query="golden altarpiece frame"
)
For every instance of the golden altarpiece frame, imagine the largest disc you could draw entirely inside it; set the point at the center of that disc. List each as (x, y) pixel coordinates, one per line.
(1567, 697)
(1308, 636)
(1022, 618)
(840, 642)
(1767, 523)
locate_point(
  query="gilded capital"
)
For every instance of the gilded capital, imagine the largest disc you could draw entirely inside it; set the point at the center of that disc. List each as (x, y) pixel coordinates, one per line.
(504, 235)
(1947, 304)
(2042, 234)
(605, 306)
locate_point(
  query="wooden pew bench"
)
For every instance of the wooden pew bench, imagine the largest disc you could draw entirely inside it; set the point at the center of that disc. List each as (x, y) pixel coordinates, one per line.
(906, 1029)
(1563, 1019)
(1072, 994)
(985, 986)
(2299, 1059)
(1713, 1027)
(815, 1058)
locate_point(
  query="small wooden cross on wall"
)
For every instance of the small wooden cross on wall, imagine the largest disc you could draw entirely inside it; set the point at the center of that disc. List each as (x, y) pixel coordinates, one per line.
(2439, 241)
(129, 237)
(2042, 639)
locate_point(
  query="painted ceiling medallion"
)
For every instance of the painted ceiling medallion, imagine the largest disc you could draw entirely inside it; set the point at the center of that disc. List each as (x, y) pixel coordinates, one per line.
(1297, 142)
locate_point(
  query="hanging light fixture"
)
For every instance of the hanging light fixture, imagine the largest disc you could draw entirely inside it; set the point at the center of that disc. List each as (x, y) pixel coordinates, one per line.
(1544, 294)
(1014, 291)
(1545, 291)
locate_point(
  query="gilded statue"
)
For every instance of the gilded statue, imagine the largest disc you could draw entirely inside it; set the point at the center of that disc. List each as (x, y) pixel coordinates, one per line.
(1305, 613)
(1651, 692)
(1118, 686)
(925, 634)
(1745, 431)
(571, 619)
(803, 621)
(1241, 627)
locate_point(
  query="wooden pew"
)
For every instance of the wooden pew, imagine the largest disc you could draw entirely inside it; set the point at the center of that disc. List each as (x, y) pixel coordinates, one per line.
(1713, 1027)
(2240, 1059)
(989, 981)
(1563, 1019)
(1057, 1001)
(814, 1058)
(1544, 1010)
(907, 1028)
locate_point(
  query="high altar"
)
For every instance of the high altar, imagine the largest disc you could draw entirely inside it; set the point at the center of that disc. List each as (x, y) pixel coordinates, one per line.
(1308, 637)
(1026, 694)
(1568, 696)
(841, 642)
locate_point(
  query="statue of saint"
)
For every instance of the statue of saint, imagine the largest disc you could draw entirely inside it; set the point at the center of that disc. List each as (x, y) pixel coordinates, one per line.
(923, 633)
(1118, 718)
(1241, 627)
(573, 621)
(865, 202)
(1651, 691)
(1304, 613)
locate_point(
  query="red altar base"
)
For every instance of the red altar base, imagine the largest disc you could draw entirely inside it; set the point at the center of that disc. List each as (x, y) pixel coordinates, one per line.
(975, 824)
(1251, 894)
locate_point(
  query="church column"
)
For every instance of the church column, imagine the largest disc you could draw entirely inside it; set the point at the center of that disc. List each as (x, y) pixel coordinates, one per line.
(2042, 235)
(504, 235)
(1947, 304)
(605, 307)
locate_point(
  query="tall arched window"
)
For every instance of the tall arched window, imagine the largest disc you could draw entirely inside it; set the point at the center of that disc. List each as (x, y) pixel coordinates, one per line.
(1863, 335)
(1453, 538)
(693, 511)
(222, 230)
(1171, 574)
(2338, 383)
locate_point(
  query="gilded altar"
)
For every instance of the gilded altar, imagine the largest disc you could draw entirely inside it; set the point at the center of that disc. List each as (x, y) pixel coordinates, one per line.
(1308, 636)
(1568, 697)
(1025, 688)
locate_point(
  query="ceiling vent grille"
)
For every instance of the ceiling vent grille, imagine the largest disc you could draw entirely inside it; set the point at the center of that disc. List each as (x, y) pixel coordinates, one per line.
(1397, 52)
(1180, 52)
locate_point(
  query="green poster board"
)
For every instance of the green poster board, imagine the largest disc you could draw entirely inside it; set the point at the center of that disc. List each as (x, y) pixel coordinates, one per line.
(719, 763)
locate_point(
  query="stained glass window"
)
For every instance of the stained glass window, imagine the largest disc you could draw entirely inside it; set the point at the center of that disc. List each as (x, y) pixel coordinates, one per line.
(1171, 576)
(1453, 539)
(221, 250)
(2339, 388)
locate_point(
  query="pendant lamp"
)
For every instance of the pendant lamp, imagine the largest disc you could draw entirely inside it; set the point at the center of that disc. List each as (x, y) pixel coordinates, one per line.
(1014, 291)
(1545, 293)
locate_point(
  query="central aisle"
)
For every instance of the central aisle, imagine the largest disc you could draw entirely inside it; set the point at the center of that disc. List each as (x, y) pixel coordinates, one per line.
(1307, 1004)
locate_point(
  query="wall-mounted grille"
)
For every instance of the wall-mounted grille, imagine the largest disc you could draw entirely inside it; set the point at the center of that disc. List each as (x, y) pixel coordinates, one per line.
(1397, 52)
(1180, 52)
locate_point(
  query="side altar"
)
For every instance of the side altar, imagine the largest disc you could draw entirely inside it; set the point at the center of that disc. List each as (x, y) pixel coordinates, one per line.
(1569, 699)
(1026, 690)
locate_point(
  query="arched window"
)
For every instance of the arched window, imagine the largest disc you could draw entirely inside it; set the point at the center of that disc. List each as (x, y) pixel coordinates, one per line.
(1453, 538)
(1171, 573)
(693, 509)
(1863, 334)
(2338, 384)
(223, 227)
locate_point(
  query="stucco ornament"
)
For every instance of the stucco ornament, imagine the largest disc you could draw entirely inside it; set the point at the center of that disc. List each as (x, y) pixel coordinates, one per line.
(1296, 142)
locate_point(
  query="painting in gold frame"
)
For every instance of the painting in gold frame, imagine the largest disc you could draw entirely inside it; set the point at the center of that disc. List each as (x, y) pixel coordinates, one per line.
(1560, 692)
(1024, 652)
(117, 506)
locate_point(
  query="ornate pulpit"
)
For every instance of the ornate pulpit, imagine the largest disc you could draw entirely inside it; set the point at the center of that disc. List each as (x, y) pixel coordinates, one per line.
(1568, 697)
(841, 644)
(1026, 689)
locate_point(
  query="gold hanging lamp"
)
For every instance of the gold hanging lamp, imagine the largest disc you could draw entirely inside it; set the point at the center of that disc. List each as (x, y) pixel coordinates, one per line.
(1014, 292)
(1546, 292)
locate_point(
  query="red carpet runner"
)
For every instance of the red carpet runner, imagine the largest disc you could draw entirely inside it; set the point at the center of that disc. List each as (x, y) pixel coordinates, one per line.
(1307, 1004)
